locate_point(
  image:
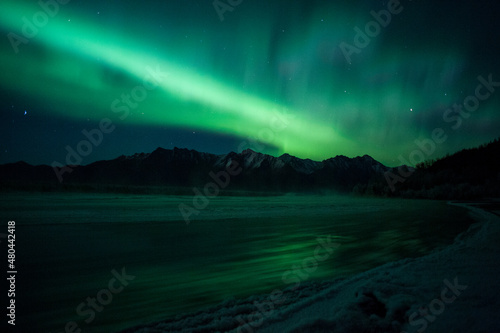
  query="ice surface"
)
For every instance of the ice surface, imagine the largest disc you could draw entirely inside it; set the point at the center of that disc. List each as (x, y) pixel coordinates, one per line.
(236, 247)
(456, 286)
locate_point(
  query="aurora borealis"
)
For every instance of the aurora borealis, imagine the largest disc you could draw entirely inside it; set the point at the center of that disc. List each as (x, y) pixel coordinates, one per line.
(270, 74)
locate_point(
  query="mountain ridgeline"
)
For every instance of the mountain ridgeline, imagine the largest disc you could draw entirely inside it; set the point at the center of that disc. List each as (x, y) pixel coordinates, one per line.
(183, 168)
(466, 174)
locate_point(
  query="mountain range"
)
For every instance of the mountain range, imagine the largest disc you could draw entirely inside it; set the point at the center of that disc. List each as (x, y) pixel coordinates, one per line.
(187, 168)
(469, 173)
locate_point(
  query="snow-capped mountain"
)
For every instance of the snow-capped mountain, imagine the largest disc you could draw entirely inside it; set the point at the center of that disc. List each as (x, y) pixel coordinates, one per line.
(183, 167)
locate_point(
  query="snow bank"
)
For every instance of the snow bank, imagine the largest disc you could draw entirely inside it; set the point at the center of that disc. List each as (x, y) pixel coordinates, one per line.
(449, 290)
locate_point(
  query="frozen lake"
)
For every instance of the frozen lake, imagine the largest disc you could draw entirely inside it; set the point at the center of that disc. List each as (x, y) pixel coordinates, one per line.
(68, 244)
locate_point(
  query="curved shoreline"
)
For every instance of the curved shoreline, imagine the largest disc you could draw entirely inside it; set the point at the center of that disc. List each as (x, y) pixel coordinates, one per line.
(388, 298)
(403, 287)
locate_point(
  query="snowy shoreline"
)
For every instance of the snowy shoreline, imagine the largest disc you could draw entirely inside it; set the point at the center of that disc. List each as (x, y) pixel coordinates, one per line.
(449, 290)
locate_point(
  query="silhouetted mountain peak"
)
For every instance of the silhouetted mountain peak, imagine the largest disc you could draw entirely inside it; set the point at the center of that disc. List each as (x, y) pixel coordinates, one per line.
(249, 151)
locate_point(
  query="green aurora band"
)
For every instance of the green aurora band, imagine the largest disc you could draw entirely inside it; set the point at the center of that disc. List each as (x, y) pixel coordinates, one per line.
(80, 68)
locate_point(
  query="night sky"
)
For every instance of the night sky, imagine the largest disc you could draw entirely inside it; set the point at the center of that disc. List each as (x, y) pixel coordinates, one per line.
(268, 75)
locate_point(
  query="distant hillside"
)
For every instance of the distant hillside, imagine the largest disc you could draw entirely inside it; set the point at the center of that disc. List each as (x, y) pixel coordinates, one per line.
(467, 174)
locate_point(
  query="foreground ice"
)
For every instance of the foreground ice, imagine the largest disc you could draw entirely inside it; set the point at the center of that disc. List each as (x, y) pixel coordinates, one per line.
(450, 290)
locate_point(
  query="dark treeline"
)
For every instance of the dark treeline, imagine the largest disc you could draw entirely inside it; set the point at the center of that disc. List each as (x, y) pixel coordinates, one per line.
(468, 174)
